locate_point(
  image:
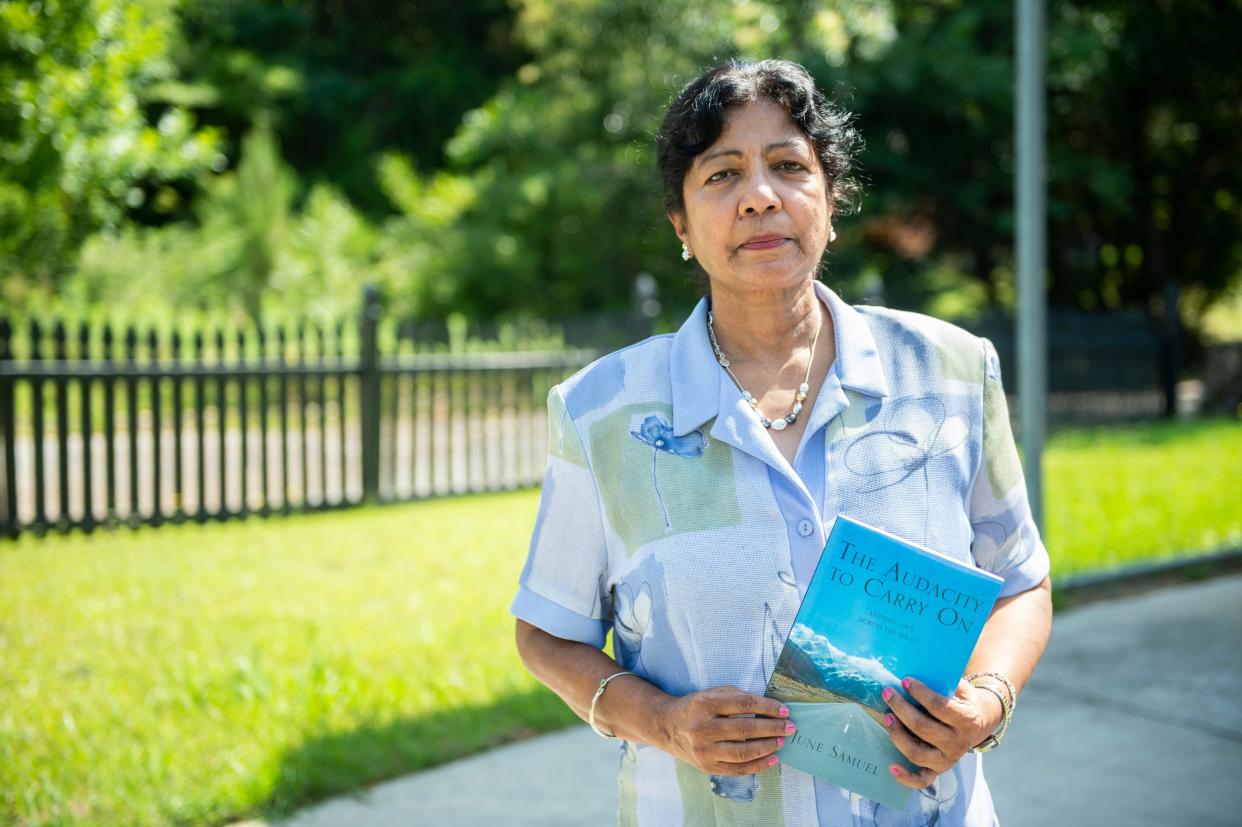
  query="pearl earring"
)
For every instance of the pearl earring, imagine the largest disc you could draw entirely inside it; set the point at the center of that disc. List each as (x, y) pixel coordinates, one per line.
(832, 235)
(686, 255)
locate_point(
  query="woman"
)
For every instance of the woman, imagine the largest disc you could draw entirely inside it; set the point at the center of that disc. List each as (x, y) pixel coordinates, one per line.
(692, 479)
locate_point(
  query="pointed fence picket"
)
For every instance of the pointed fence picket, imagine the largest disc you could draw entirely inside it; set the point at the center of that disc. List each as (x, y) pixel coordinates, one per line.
(103, 424)
(146, 425)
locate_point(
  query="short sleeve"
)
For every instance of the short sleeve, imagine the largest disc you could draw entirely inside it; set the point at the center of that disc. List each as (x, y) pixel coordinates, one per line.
(1006, 540)
(563, 586)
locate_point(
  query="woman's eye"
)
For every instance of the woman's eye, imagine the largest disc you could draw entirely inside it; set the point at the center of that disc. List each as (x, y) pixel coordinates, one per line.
(791, 166)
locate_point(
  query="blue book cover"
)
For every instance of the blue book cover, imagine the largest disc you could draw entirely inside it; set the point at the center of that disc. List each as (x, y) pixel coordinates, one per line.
(877, 609)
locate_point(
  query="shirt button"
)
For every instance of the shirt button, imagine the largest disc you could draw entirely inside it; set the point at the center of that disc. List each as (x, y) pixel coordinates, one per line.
(805, 528)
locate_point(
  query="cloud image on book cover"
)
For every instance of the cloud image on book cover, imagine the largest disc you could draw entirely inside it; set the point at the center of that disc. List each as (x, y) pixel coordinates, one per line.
(815, 666)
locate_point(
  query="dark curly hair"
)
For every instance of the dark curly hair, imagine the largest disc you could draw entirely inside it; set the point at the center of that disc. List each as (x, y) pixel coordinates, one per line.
(696, 117)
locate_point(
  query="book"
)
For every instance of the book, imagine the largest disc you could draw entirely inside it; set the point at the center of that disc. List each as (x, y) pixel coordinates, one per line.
(878, 608)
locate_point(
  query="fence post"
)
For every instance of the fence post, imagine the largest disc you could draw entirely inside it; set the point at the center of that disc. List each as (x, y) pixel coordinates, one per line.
(1170, 348)
(369, 389)
(7, 388)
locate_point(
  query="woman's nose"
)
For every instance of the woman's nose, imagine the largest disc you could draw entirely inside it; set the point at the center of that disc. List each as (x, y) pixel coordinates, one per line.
(759, 196)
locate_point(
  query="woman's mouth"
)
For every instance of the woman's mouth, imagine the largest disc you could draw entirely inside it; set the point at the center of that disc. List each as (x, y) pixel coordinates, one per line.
(767, 244)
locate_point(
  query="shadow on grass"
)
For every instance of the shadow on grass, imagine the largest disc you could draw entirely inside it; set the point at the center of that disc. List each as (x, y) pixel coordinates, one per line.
(348, 762)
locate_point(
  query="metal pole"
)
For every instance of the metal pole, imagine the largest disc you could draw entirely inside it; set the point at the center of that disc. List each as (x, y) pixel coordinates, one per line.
(1031, 241)
(369, 390)
(11, 525)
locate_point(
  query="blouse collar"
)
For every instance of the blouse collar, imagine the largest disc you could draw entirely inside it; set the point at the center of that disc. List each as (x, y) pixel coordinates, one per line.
(701, 389)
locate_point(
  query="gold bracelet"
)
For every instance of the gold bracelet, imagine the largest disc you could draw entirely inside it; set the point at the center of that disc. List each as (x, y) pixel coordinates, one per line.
(993, 740)
(999, 678)
(1007, 705)
(598, 692)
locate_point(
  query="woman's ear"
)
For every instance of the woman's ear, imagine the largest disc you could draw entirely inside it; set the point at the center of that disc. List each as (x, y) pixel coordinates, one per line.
(679, 225)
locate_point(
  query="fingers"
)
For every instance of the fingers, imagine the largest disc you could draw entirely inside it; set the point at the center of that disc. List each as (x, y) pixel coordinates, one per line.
(742, 752)
(734, 757)
(937, 738)
(914, 733)
(729, 700)
(742, 729)
(929, 729)
(937, 705)
(914, 748)
(913, 780)
(709, 739)
(755, 766)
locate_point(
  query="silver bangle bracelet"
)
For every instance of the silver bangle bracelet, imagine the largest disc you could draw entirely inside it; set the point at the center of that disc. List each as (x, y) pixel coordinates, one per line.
(598, 692)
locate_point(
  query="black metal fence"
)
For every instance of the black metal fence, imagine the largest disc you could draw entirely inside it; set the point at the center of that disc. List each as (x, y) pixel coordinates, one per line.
(126, 426)
(1102, 367)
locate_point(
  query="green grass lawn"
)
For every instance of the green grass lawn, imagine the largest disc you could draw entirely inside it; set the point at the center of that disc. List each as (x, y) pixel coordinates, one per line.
(193, 675)
(1122, 494)
(201, 674)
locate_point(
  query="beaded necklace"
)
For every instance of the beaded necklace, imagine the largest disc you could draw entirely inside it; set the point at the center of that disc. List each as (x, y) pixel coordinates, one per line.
(780, 423)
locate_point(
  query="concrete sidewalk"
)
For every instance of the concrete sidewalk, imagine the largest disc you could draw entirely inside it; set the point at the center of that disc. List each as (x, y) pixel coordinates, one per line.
(1134, 717)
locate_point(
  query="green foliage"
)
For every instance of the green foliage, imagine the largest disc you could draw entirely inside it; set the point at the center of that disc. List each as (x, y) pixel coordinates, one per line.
(1143, 137)
(937, 115)
(1141, 188)
(248, 252)
(77, 143)
(423, 243)
(345, 83)
(177, 264)
(252, 207)
(327, 253)
(567, 208)
(497, 161)
(1223, 321)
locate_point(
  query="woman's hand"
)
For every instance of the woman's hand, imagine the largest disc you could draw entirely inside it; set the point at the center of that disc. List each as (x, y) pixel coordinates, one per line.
(699, 731)
(937, 739)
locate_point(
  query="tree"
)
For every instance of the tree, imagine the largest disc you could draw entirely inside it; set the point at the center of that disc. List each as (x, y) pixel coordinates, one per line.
(78, 145)
(500, 162)
(1148, 130)
(343, 83)
(245, 252)
(1143, 119)
(566, 208)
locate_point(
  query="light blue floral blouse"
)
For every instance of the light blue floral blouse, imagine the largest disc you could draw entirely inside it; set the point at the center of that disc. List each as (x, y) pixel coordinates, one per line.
(669, 516)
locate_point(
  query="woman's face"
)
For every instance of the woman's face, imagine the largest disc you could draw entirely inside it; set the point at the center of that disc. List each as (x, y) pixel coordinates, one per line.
(759, 178)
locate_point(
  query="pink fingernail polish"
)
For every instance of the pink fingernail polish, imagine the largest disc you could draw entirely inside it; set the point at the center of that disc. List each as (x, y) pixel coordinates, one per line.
(905, 682)
(784, 712)
(789, 727)
(772, 761)
(893, 770)
(887, 693)
(888, 720)
(780, 742)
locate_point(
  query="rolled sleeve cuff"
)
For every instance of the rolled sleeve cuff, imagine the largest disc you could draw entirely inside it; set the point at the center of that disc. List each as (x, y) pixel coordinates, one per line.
(556, 620)
(1027, 575)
